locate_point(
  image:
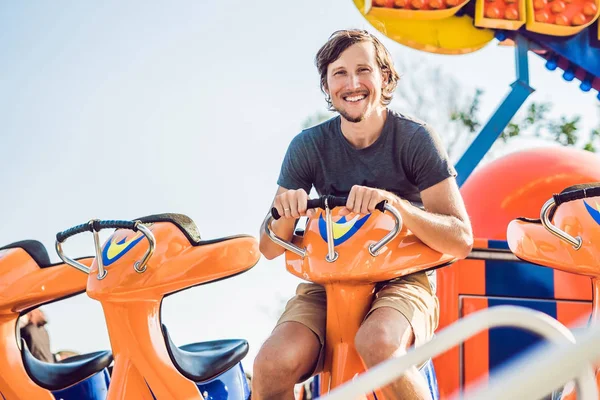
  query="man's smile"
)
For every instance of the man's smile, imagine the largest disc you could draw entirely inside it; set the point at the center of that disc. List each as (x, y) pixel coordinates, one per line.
(354, 97)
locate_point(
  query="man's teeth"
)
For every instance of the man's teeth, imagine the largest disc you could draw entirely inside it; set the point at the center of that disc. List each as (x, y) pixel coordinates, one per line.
(355, 98)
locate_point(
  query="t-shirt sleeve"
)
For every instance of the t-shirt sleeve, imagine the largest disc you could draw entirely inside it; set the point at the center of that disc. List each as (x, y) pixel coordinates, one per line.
(428, 160)
(295, 169)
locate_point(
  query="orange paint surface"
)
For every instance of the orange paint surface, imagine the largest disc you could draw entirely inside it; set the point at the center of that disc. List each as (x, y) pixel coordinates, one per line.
(565, 13)
(350, 280)
(476, 348)
(502, 9)
(131, 303)
(24, 285)
(421, 5)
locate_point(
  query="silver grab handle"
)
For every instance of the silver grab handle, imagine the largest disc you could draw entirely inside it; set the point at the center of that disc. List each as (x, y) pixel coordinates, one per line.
(283, 243)
(546, 209)
(73, 263)
(376, 247)
(140, 266)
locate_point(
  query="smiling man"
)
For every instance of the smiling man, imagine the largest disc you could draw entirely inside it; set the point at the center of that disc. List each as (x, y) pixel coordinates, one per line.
(368, 153)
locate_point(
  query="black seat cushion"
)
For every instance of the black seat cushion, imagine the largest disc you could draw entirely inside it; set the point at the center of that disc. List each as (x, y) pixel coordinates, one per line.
(185, 225)
(183, 222)
(203, 361)
(65, 373)
(35, 249)
(587, 186)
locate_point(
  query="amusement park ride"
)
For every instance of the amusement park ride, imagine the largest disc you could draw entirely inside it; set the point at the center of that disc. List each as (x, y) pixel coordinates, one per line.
(567, 35)
(547, 261)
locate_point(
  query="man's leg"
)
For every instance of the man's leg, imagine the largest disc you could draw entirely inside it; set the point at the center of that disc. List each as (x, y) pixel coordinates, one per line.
(288, 355)
(37, 339)
(385, 334)
(292, 352)
(404, 313)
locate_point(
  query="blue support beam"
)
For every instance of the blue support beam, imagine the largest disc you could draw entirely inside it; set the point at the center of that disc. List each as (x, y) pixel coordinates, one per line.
(520, 90)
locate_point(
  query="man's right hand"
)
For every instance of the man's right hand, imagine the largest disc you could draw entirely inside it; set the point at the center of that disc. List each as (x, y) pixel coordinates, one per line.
(291, 204)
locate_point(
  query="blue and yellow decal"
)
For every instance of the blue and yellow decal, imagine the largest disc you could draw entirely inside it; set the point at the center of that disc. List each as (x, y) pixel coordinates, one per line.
(342, 229)
(594, 213)
(116, 249)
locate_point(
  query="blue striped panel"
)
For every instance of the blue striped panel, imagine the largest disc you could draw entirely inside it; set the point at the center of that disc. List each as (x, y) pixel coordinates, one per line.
(504, 343)
(498, 244)
(517, 279)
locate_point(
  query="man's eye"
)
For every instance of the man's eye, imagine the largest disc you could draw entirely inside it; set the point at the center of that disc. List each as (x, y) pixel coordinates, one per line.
(340, 73)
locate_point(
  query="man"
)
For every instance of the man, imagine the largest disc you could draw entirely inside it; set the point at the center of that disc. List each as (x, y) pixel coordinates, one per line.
(370, 154)
(34, 332)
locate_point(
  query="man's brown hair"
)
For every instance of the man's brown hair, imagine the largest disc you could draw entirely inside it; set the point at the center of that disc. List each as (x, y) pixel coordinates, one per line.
(339, 41)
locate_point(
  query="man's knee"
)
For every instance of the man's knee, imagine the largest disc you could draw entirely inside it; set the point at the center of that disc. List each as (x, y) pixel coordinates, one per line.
(377, 345)
(273, 361)
(386, 333)
(287, 356)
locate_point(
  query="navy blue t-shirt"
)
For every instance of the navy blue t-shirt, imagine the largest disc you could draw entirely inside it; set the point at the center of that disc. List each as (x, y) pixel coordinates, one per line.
(407, 158)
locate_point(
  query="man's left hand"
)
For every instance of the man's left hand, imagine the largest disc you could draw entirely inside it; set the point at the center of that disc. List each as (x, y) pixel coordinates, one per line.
(363, 199)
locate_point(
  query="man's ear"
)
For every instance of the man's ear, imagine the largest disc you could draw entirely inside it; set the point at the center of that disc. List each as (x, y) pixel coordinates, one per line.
(385, 78)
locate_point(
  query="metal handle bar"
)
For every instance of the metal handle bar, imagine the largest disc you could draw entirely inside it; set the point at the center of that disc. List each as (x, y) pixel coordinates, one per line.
(322, 202)
(500, 316)
(547, 208)
(374, 248)
(96, 226)
(328, 203)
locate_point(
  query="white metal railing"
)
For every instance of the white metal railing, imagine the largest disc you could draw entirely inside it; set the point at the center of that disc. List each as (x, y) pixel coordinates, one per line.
(500, 316)
(545, 369)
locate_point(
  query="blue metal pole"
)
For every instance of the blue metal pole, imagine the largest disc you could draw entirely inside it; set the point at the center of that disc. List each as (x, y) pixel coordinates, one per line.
(520, 90)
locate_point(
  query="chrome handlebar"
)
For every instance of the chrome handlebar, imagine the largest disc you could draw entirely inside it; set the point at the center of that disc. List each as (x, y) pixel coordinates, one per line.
(96, 226)
(547, 208)
(374, 249)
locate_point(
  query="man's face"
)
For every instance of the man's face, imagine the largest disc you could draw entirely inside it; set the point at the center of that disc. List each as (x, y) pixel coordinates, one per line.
(354, 82)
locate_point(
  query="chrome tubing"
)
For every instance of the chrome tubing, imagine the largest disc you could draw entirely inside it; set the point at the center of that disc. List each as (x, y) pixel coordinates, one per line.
(69, 261)
(332, 255)
(101, 271)
(140, 266)
(374, 248)
(546, 209)
(283, 243)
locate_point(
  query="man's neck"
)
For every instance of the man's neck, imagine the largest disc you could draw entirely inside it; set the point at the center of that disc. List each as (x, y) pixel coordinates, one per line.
(364, 133)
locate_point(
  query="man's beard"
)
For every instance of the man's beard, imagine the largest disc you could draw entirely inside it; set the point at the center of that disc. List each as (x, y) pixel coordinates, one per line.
(348, 118)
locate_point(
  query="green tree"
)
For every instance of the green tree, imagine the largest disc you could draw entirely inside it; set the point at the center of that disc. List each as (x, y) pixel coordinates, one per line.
(535, 122)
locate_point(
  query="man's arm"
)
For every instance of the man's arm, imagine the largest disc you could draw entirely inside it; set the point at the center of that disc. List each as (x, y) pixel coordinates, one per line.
(444, 224)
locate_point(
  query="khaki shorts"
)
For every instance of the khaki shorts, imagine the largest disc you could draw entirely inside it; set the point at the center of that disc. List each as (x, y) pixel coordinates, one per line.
(413, 296)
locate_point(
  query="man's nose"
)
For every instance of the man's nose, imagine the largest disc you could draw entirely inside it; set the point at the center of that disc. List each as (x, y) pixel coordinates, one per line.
(354, 82)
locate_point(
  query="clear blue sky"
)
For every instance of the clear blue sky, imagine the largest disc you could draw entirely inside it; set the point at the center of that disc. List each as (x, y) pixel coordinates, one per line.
(117, 110)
